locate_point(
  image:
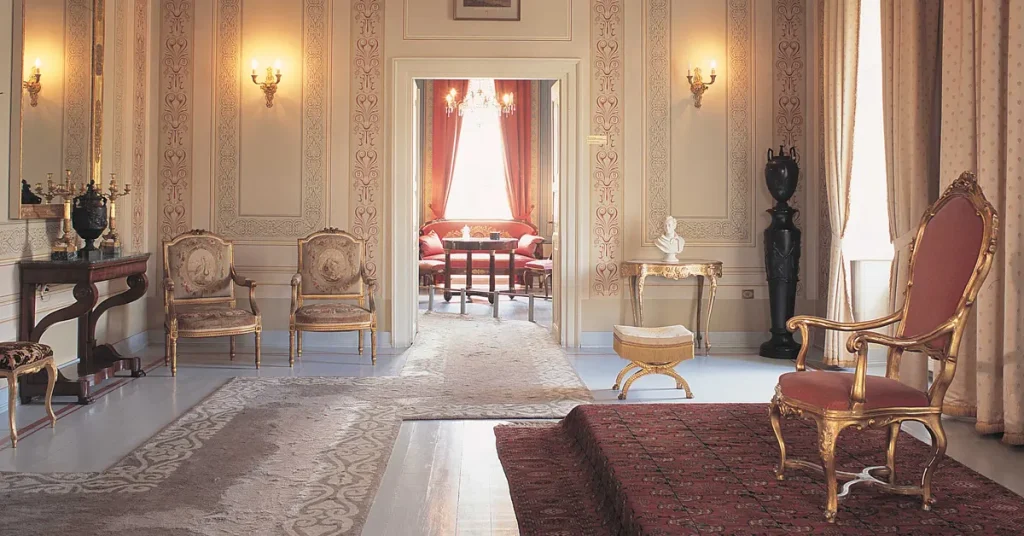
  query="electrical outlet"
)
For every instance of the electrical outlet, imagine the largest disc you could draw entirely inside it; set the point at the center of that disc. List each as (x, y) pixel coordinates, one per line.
(748, 294)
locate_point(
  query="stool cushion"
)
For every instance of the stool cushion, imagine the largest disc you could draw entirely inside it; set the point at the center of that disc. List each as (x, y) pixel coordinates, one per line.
(540, 265)
(16, 354)
(831, 390)
(428, 266)
(332, 313)
(663, 336)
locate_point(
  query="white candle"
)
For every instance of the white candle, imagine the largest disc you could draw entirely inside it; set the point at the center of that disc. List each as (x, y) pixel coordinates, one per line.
(255, 64)
(277, 67)
(713, 67)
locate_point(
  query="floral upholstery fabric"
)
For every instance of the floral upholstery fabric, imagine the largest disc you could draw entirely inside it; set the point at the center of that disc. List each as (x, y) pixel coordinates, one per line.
(16, 354)
(332, 313)
(331, 265)
(213, 318)
(200, 267)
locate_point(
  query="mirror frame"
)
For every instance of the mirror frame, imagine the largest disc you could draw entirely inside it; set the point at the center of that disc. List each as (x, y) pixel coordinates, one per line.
(54, 210)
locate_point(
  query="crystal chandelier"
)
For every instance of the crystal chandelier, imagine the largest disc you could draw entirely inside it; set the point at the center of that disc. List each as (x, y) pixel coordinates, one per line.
(479, 100)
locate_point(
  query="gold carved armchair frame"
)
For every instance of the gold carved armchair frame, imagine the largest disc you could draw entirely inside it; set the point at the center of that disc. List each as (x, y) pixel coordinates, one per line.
(364, 298)
(172, 304)
(831, 422)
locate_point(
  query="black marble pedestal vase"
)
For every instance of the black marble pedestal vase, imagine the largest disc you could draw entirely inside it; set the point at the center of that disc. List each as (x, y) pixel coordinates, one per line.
(781, 254)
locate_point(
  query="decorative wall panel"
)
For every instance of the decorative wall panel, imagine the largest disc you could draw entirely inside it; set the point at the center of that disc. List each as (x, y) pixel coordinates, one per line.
(120, 82)
(25, 239)
(367, 142)
(177, 24)
(77, 88)
(606, 164)
(140, 18)
(227, 95)
(737, 227)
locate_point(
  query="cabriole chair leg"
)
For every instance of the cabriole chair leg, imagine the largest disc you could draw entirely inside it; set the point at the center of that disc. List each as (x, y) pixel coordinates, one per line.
(291, 348)
(258, 350)
(174, 355)
(232, 357)
(360, 342)
(373, 346)
(51, 382)
(12, 399)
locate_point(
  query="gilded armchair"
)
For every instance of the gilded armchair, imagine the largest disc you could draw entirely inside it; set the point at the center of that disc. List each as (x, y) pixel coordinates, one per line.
(950, 258)
(332, 270)
(199, 294)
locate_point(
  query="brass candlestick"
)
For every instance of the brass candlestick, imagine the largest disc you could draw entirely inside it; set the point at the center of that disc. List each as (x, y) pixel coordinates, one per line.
(66, 246)
(65, 191)
(111, 244)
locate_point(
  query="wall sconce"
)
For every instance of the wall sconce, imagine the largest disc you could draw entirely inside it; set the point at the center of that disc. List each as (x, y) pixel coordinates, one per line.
(269, 84)
(697, 85)
(32, 84)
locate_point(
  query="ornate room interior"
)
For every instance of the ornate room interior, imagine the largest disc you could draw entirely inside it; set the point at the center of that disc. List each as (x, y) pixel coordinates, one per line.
(511, 266)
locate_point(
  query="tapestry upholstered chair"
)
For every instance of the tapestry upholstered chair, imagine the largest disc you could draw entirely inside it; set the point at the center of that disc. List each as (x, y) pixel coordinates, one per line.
(199, 294)
(20, 358)
(332, 266)
(950, 258)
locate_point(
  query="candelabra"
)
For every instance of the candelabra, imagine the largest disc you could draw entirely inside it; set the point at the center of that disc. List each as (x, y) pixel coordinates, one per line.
(270, 82)
(697, 85)
(111, 244)
(33, 86)
(66, 190)
(66, 246)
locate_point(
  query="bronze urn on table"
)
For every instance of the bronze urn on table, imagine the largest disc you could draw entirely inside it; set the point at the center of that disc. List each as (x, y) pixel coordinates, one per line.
(89, 219)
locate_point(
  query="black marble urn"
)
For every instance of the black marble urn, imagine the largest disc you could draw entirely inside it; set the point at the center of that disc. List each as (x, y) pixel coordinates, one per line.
(89, 219)
(781, 252)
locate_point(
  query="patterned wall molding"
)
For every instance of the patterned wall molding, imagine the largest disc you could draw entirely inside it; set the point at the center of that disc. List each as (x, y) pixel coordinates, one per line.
(227, 130)
(26, 239)
(77, 87)
(140, 62)
(177, 26)
(120, 81)
(737, 227)
(606, 90)
(367, 142)
(427, 182)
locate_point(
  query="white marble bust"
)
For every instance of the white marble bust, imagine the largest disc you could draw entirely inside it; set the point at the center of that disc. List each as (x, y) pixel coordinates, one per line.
(670, 243)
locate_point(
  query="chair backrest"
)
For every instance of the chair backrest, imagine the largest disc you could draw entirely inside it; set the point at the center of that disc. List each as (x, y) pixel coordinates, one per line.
(331, 264)
(951, 256)
(199, 264)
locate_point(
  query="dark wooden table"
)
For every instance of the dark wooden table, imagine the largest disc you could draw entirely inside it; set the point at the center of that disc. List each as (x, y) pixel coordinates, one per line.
(95, 361)
(469, 245)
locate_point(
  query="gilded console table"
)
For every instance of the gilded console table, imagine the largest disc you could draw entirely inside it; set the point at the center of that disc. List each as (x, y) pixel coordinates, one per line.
(638, 270)
(95, 361)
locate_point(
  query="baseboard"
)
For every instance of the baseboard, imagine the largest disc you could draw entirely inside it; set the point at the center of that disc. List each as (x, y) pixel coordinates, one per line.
(732, 340)
(278, 338)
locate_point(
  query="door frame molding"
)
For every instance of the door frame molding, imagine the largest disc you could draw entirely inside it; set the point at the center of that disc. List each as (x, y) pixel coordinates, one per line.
(402, 202)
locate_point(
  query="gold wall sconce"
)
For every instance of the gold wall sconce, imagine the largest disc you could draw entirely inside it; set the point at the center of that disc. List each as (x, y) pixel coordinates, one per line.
(270, 82)
(697, 85)
(32, 84)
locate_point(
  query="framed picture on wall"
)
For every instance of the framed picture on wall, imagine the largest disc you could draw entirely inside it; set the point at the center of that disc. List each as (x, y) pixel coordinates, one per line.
(487, 9)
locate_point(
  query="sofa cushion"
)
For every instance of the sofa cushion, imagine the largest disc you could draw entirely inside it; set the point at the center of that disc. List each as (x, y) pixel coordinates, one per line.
(831, 390)
(481, 262)
(213, 318)
(332, 313)
(16, 354)
(430, 244)
(528, 245)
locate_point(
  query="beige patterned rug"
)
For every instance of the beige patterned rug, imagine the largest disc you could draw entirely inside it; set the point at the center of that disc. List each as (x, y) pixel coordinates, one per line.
(299, 456)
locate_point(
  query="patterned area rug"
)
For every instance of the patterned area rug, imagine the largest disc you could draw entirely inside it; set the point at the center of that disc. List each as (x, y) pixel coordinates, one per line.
(299, 456)
(707, 468)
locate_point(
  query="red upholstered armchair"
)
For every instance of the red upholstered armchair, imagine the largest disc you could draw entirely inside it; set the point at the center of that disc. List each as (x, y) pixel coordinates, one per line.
(950, 258)
(433, 232)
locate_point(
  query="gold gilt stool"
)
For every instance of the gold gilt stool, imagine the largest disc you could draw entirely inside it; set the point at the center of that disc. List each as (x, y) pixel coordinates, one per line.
(652, 351)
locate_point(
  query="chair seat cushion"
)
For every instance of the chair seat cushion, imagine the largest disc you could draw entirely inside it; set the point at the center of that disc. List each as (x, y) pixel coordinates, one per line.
(540, 265)
(213, 318)
(663, 336)
(831, 390)
(332, 313)
(16, 354)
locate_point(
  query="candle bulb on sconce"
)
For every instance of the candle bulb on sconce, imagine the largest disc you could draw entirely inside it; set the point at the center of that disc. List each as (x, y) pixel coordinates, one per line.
(270, 82)
(697, 84)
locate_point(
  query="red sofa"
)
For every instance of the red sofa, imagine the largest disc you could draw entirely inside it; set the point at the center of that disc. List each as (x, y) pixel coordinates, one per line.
(481, 228)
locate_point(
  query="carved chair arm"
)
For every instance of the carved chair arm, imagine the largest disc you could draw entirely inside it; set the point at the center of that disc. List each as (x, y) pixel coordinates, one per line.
(858, 344)
(371, 289)
(803, 322)
(296, 285)
(168, 298)
(243, 282)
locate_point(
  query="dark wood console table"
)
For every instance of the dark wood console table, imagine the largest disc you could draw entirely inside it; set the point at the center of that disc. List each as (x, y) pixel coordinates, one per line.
(469, 245)
(96, 362)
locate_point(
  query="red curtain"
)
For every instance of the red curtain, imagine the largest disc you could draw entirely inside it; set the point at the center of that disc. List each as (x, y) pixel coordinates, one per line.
(445, 137)
(515, 133)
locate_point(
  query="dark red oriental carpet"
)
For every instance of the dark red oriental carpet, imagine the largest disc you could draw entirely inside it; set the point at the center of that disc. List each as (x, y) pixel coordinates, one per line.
(707, 468)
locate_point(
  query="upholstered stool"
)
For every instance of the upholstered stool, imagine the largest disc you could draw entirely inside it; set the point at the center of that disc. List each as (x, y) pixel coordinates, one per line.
(429, 269)
(652, 351)
(539, 268)
(17, 359)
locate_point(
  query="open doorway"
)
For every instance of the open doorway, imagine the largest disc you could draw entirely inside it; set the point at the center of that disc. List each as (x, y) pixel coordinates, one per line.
(486, 195)
(515, 178)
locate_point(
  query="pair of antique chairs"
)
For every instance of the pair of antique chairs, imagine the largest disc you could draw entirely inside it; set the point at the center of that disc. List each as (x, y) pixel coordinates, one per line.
(199, 292)
(950, 257)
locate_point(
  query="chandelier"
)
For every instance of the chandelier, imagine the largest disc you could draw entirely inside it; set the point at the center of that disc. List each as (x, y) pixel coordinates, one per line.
(479, 100)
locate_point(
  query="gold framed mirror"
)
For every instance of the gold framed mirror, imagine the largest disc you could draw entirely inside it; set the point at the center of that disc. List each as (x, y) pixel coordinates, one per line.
(57, 102)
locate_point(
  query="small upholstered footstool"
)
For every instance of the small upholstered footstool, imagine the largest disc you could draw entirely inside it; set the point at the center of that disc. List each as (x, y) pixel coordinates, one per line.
(652, 351)
(540, 268)
(19, 358)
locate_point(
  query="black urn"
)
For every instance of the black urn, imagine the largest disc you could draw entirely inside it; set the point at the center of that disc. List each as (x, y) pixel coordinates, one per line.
(89, 218)
(781, 253)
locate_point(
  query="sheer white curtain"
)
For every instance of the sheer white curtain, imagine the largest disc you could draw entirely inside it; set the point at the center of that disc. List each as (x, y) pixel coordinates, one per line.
(478, 185)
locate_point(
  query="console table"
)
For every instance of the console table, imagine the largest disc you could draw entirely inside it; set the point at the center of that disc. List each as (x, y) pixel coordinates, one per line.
(95, 361)
(638, 270)
(469, 245)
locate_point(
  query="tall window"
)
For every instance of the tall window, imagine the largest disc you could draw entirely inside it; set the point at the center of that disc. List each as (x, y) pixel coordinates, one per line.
(478, 184)
(867, 230)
